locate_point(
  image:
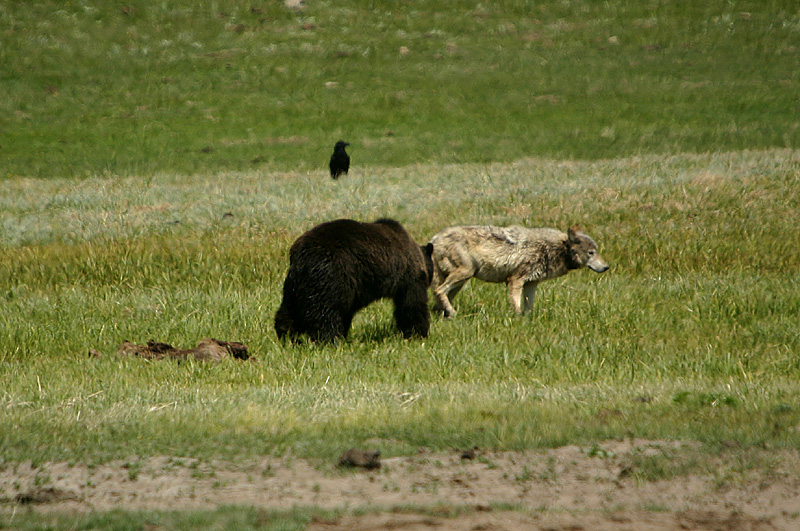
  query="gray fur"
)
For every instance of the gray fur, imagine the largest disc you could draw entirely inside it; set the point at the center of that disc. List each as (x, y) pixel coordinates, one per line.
(518, 256)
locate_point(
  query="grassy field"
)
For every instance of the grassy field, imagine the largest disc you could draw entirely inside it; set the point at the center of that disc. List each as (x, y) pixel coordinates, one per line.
(142, 87)
(157, 159)
(691, 334)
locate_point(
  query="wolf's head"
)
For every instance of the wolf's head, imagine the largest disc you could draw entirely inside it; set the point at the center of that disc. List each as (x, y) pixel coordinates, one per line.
(583, 252)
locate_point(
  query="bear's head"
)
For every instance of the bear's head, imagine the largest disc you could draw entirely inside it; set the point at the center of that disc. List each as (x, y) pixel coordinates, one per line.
(427, 254)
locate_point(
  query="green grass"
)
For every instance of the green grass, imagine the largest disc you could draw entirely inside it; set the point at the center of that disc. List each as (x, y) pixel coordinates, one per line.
(97, 88)
(668, 130)
(697, 314)
(224, 518)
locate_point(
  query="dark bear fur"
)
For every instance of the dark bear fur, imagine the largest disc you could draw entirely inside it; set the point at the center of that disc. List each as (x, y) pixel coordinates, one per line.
(339, 267)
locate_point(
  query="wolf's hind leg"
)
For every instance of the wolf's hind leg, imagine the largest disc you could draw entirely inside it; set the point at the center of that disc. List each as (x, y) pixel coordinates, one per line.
(448, 289)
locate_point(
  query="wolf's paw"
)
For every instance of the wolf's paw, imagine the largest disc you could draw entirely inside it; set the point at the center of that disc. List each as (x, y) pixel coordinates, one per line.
(443, 312)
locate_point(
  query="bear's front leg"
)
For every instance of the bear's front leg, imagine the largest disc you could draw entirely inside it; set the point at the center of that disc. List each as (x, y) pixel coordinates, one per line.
(411, 312)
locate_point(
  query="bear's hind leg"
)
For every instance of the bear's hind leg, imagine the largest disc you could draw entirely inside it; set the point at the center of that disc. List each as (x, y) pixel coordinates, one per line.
(284, 324)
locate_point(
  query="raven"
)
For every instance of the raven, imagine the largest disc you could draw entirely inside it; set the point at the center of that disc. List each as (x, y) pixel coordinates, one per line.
(340, 161)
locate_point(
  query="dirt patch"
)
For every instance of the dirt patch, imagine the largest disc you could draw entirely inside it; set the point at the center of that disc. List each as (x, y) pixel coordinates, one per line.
(610, 486)
(43, 495)
(520, 521)
(208, 349)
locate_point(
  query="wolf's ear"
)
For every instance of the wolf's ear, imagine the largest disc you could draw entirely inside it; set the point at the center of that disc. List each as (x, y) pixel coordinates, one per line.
(428, 250)
(573, 232)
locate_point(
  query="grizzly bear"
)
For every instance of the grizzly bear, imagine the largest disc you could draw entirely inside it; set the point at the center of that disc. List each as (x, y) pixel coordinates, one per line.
(339, 267)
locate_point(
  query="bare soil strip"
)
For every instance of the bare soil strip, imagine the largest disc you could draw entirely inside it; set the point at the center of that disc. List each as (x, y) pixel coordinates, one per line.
(564, 488)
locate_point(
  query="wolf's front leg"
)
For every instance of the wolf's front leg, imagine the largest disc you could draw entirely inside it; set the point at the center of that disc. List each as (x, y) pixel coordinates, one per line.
(515, 286)
(528, 292)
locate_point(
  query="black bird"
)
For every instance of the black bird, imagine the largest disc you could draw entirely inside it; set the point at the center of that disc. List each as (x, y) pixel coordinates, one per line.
(340, 160)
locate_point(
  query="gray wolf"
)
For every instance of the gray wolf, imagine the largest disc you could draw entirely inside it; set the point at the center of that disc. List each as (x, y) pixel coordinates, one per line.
(340, 160)
(518, 256)
(339, 267)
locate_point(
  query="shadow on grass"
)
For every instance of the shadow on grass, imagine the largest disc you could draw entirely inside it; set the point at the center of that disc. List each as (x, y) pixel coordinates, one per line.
(374, 333)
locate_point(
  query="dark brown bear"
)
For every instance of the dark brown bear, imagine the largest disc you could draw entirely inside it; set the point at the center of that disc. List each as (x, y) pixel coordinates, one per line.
(339, 267)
